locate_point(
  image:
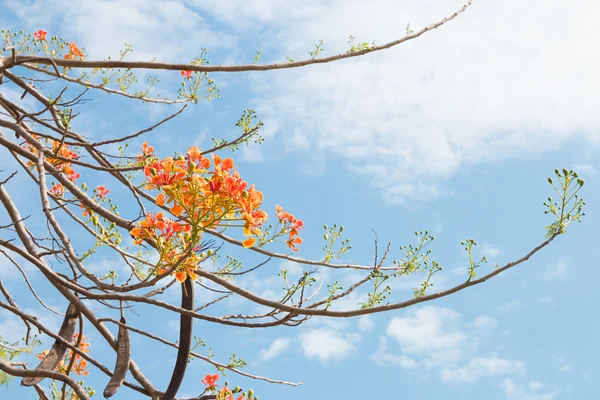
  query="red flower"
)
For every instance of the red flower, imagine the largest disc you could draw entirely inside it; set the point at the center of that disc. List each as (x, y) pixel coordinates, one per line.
(40, 35)
(101, 191)
(293, 242)
(210, 380)
(186, 74)
(73, 51)
(58, 190)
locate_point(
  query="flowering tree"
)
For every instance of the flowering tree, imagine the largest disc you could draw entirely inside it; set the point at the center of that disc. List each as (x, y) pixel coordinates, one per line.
(190, 204)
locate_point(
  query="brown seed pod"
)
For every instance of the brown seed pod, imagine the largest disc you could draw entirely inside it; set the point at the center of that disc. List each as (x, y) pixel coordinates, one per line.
(185, 340)
(58, 350)
(122, 364)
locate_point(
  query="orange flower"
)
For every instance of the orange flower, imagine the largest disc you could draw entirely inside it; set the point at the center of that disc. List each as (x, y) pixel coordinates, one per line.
(40, 35)
(211, 380)
(101, 191)
(160, 199)
(249, 242)
(293, 242)
(186, 74)
(176, 210)
(227, 164)
(147, 150)
(180, 276)
(195, 155)
(58, 190)
(166, 172)
(74, 50)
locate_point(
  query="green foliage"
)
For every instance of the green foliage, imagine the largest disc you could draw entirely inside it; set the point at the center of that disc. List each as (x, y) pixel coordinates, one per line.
(358, 46)
(469, 243)
(331, 236)
(10, 351)
(318, 49)
(569, 207)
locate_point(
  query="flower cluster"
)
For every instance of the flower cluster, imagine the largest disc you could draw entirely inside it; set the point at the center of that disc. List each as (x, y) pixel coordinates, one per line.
(79, 365)
(73, 52)
(62, 154)
(293, 227)
(203, 198)
(40, 35)
(225, 393)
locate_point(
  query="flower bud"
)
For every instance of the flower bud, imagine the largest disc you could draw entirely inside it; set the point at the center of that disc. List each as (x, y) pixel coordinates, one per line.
(118, 241)
(550, 181)
(191, 167)
(250, 393)
(210, 252)
(180, 158)
(153, 171)
(245, 194)
(326, 236)
(203, 255)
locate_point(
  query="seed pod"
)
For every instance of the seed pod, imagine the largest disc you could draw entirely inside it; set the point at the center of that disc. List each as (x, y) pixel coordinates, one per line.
(185, 340)
(122, 363)
(58, 350)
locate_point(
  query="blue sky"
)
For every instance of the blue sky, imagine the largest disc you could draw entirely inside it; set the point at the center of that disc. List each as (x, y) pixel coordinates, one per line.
(455, 132)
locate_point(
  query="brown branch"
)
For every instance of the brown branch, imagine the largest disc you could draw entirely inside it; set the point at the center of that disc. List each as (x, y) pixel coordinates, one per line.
(31, 374)
(23, 59)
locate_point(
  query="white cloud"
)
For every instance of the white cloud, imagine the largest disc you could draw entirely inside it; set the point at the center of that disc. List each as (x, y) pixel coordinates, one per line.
(384, 358)
(430, 334)
(546, 300)
(481, 367)
(276, 348)
(365, 323)
(426, 329)
(534, 385)
(327, 344)
(584, 169)
(103, 26)
(449, 100)
(490, 251)
(515, 391)
(557, 271)
(565, 368)
(485, 323)
(510, 306)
